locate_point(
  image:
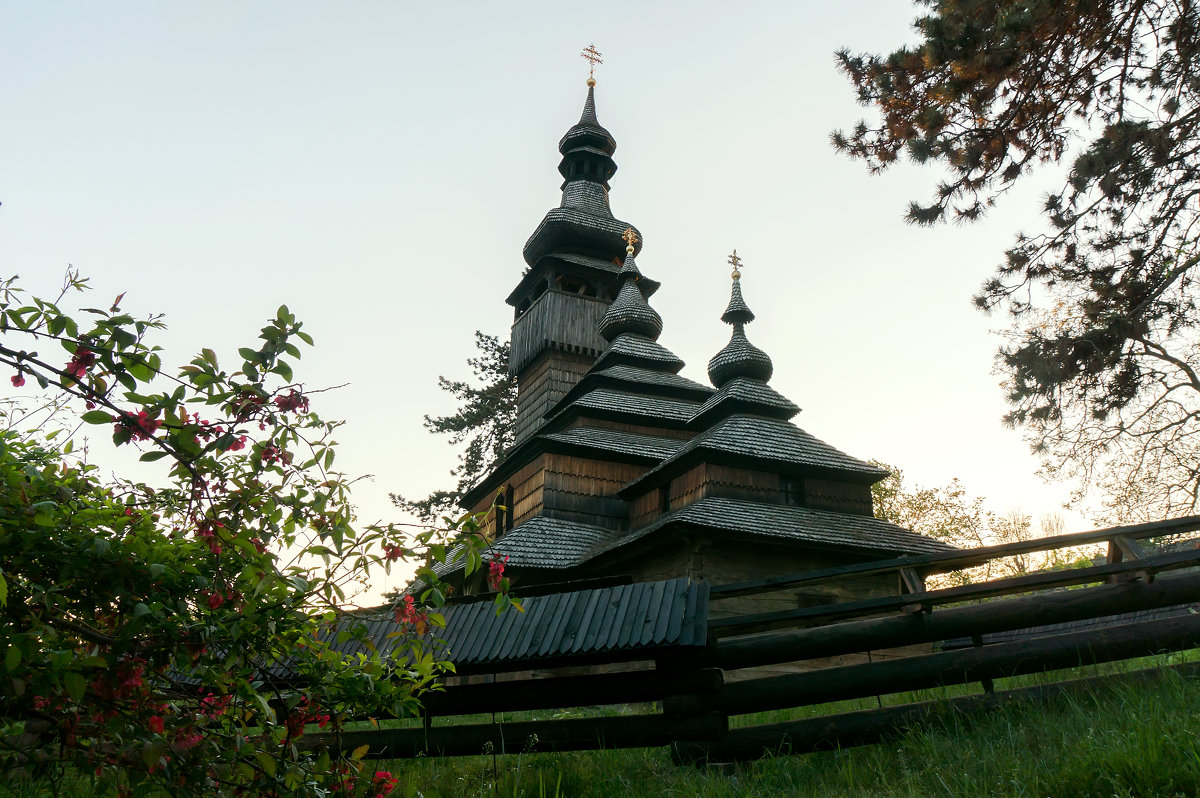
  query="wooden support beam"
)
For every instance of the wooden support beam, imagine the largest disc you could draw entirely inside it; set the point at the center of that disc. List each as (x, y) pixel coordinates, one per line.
(871, 726)
(995, 616)
(915, 585)
(578, 734)
(960, 667)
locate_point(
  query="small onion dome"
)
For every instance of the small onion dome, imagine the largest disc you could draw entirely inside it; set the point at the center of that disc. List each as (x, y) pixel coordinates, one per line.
(739, 358)
(629, 312)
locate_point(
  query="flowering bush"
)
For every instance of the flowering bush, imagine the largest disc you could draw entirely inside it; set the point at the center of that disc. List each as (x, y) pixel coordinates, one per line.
(175, 636)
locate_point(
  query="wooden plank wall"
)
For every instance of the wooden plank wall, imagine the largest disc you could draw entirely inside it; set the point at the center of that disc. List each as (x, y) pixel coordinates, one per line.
(841, 497)
(528, 485)
(584, 490)
(556, 316)
(706, 479)
(547, 380)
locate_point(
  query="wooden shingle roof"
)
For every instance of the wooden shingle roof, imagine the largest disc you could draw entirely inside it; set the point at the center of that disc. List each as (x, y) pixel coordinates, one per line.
(787, 524)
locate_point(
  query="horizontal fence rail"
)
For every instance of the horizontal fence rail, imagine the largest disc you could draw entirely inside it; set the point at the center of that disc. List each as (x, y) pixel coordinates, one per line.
(695, 699)
(929, 564)
(927, 627)
(1040, 580)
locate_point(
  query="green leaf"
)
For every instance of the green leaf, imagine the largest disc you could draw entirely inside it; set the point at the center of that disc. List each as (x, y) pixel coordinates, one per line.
(150, 457)
(97, 417)
(76, 685)
(250, 355)
(266, 762)
(140, 609)
(12, 658)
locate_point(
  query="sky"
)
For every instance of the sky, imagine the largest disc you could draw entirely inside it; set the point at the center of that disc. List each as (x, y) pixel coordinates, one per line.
(378, 166)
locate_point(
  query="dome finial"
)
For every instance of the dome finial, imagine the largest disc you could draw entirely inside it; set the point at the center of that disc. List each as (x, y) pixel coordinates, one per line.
(631, 237)
(739, 358)
(592, 56)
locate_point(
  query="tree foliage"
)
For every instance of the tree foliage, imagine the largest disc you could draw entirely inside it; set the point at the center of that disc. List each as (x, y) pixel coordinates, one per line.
(173, 637)
(951, 515)
(1103, 359)
(485, 420)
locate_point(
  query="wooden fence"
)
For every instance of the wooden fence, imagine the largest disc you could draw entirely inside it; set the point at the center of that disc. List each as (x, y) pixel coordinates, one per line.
(1136, 603)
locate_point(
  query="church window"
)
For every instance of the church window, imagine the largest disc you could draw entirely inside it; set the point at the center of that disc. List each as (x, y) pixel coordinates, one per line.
(664, 498)
(790, 491)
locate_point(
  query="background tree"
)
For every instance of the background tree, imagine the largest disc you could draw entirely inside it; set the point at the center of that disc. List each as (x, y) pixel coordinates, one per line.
(1103, 359)
(485, 420)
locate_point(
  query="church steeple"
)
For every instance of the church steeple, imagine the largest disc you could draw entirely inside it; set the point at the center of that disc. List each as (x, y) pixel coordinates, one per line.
(739, 358)
(575, 261)
(583, 221)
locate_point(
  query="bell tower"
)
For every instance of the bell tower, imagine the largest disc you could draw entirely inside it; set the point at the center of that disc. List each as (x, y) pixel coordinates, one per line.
(573, 257)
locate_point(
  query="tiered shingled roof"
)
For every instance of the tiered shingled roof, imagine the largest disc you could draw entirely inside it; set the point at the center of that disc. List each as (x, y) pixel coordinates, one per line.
(633, 407)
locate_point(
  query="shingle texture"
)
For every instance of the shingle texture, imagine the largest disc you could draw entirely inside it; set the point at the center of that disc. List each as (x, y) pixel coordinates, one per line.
(639, 351)
(543, 542)
(739, 358)
(637, 376)
(629, 313)
(790, 524)
(767, 439)
(745, 395)
(616, 441)
(737, 312)
(647, 408)
(586, 196)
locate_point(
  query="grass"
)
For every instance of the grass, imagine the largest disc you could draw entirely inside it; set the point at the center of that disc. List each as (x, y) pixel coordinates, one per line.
(1125, 740)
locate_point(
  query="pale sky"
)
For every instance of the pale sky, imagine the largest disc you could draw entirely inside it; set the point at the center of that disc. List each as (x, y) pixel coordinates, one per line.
(377, 166)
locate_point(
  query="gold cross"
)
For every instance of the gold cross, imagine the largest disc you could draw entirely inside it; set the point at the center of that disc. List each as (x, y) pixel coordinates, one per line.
(592, 56)
(630, 236)
(736, 263)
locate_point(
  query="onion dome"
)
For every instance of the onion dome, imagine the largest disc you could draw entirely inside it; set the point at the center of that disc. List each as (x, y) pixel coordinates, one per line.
(629, 312)
(583, 222)
(739, 358)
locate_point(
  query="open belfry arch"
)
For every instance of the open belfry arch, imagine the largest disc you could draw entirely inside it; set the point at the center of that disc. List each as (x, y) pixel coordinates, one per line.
(623, 468)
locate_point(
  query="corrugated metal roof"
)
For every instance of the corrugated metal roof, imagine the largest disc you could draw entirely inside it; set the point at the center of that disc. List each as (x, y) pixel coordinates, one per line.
(644, 615)
(789, 524)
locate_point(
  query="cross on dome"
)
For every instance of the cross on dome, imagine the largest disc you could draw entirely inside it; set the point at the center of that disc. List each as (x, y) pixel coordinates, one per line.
(736, 263)
(631, 237)
(592, 56)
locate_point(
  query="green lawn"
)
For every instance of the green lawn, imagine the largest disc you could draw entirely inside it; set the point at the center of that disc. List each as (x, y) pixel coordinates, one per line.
(1138, 739)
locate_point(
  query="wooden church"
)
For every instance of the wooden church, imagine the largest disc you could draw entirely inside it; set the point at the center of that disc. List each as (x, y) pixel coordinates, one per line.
(623, 468)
